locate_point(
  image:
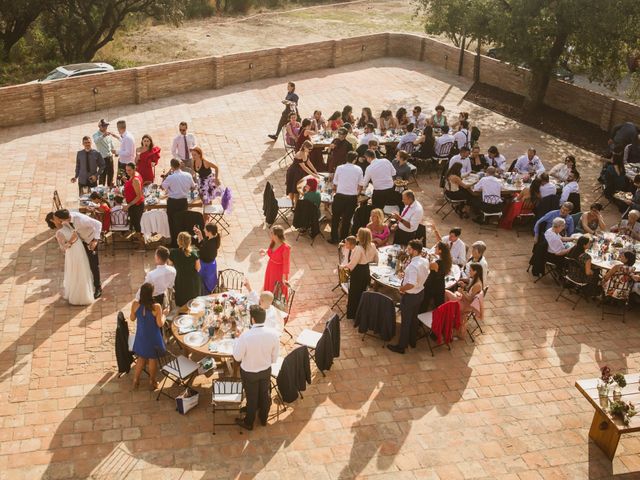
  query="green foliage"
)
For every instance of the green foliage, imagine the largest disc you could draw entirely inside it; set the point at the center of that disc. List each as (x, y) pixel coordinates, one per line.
(199, 9)
(539, 33)
(15, 19)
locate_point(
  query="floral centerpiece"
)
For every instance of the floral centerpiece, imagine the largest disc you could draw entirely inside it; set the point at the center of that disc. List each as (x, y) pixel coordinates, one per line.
(622, 410)
(605, 381)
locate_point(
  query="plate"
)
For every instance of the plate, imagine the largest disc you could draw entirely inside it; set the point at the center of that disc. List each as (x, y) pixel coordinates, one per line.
(223, 346)
(196, 339)
(185, 321)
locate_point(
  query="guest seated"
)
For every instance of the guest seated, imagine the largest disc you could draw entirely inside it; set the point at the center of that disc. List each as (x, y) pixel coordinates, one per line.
(403, 170)
(435, 283)
(418, 118)
(438, 120)
(462, 137)
(491, 190)
(456, 189)
(335, 121)
(406, 141)
(564, 212)
(338, 150)
(496, 159)
(443, 140)
(466, 294)
(347, 115)
(305, 134)
(562, 170)
(369, 134)
(366, 117)
(318, 122)
(477, 256)
(291, 130)
(463, 159)
(462, 117)
(630, 226)
(478, 161)
(615, 177)
(118, 220)
(311, 192)
(104, 209)
(387, 121)
(592, 221)
(529, 163)
(402, 118)
(409, 220)
(556, 249)
(587, 274)
(425, 144)
(379, 230)
(628, 259)
(570, 187)
(455, 245)
(519, 207)
(300, 168)
(274, 318)
(351, 138)
(546, 187)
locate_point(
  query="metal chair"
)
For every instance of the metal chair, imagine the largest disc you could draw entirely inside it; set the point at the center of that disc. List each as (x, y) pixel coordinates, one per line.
(57, 204)
(283, 206)
(573, 281)
(343, 285)
(425, 322)
(617, 292)
(229, 279)
(310, 339)
(442, 155)
(472, 316)
(226, 396)
(527, 215)
(180, 370)
(119, 225)
(289, 152)
(452, 203)
(214, 213)
(486, 215)
(284, 301)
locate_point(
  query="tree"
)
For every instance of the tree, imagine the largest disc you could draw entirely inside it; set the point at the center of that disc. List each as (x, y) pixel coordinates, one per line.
(82, 27)
(15, 19)
(542, 33)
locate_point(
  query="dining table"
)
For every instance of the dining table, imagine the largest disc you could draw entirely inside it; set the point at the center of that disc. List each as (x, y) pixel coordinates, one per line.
(606, 248)
(384, 273)
(154, 198)
(324, 138)
(511, 183)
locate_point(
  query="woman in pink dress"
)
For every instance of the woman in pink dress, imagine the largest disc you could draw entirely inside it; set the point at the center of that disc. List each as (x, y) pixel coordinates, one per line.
(147, 157)
(278, 266)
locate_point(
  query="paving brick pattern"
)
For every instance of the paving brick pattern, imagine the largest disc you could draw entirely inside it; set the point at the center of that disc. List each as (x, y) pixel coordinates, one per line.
(502, 408)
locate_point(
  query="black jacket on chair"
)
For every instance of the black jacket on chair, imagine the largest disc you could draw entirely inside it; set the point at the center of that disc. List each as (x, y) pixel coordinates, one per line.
(294, 374)
(305, 216)
(548, 203)
(334, 329)
(538, 257)
(324, 351)
(188, 219)
(376, 312)
(269, 204)
(123, 355)
(361, 217)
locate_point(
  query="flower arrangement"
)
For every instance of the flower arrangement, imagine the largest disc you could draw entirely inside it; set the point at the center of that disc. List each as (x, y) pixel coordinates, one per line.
(209, 189)
(606, 379)
(622, 410)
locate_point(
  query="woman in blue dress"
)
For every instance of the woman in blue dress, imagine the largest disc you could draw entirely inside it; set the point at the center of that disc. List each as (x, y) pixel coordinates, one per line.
(148, 334)
(208, 245)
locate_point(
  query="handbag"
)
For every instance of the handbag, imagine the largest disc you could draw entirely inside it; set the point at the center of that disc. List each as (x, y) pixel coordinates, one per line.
(187, 401)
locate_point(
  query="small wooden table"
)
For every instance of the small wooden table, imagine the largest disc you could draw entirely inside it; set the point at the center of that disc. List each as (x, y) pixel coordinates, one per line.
(605, 431)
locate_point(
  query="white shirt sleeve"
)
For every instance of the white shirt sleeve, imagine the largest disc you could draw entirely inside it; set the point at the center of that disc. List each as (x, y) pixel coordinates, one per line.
(239, 350)
(554, 241)
(410, 275)
(174, 148)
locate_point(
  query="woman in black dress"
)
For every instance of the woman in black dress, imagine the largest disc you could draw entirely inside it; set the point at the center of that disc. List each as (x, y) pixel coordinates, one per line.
(208, 245)
(300, 168)
(361, 256)
(434, 285)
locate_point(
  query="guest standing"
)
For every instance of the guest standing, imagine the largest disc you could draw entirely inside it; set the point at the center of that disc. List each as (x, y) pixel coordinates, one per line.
(256, 350)
(300, 168)
(347, 180)
(208, 173)
(147, 157)
(187, 265)
(434, 285)
(208, 246)
(412, 293)
(278, 266)
(315, 154)
(291, 104)
(134, 196)
(127, 152)
(364, 254)
(409, 219)
(178, 185)
(148, 340)
(103, 140)
(292, 130)
(163, 277)
(183, 144)
(338, 150)
(89, 166)
(380, 172)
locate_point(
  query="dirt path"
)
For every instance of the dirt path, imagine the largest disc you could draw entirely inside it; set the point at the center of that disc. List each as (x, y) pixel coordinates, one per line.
(214, 36)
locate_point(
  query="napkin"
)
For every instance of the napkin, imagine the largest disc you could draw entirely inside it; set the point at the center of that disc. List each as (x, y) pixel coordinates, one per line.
(185, 330)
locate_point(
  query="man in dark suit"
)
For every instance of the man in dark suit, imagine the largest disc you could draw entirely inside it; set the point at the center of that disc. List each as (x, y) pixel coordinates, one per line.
(89, 166)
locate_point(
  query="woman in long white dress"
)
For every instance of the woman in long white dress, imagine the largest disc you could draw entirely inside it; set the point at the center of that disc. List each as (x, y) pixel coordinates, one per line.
(78, 280)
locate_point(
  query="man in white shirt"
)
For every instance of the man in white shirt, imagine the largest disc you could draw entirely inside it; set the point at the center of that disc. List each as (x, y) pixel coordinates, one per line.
(346, 180)
(418, 118)
(163, 277)
(406, 141)
(491, 190)
(178, 185)
(444, 139)
(127, 152)
(462, 137)
(412, 291)
(103, 140)
(529, 163)
(570, 187)
(546, 187)
(496, 159)
(182, 145)
(380, 172)
(89, 230)
(256, 350)
(463, 159)
(556, 249)
(274, 317)
(368, 134)
(408, 220)
(456, 246)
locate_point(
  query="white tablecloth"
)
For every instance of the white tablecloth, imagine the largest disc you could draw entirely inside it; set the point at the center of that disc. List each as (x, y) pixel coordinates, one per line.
(155, 221)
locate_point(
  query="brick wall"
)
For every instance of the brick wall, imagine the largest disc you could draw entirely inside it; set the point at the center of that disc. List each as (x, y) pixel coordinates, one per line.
(23, 104)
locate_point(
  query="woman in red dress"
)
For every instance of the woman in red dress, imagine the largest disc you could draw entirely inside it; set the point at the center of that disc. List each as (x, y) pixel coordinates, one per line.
(278, 266)
(147, 157)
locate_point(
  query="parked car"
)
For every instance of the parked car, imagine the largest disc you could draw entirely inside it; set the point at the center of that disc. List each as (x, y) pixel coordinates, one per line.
(561, 72)
(76, 70)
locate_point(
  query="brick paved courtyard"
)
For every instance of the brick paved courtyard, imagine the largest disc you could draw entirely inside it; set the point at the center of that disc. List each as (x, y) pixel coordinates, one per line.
(502, 408)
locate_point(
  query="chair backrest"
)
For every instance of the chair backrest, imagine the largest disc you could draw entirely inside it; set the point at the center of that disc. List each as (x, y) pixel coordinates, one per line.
(119, 218)
(574, 197)
(619, 286)
(57, 204)
(284, 296)
(527, 207)
(230, 279)
(408, 147)
(444, 150)
(166, 358)
(574, 271)
(228, 386)
(492, 199)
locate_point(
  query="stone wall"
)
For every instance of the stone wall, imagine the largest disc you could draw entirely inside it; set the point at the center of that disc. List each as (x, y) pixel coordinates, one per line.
(23, 104)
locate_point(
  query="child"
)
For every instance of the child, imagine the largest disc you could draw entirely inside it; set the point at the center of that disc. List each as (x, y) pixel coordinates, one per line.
(103, 209)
